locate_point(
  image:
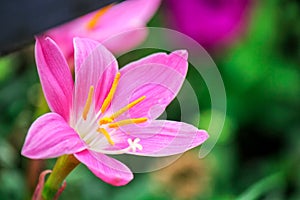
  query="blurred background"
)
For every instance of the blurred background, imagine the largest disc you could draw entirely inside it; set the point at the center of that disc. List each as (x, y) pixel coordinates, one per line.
(256, 47)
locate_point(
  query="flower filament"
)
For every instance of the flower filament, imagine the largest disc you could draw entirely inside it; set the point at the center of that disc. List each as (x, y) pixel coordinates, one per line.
(88, 103)
(106, 134)
(106, 120)
(127, 121)
(111, 93)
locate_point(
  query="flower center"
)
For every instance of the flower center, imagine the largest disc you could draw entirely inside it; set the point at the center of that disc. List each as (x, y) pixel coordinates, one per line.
(108, 124)
(95, 19)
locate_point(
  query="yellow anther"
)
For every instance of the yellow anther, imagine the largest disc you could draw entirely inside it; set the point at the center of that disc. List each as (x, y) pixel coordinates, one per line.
(88, 103)
(106, 134)
(124, 109)
(95, 19)
(105, 120)
(111, 93)
(127, 121)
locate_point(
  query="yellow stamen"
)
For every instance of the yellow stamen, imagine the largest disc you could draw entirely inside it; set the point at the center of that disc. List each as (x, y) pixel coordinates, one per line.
(124, 109)
(110, 119)
(105, 120)
(111, 93)
(88, 103)
(106, 134)
(127, 121)
(95, 19)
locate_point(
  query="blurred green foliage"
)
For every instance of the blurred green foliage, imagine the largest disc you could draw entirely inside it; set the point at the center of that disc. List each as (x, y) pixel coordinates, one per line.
(257, 155)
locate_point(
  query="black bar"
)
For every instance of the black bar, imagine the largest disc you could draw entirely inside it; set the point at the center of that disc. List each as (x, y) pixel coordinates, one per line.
(20, 20)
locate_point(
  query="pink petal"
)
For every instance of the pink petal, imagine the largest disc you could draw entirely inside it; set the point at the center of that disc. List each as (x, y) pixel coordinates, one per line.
(159, 77)
(125, 40)
(55, 76)
(119, 26)
(132, 13)
(50, 136)
(108, 169)
(83, 48)
(163, 137)
(64, 35)
(124, 16)
(98, 68)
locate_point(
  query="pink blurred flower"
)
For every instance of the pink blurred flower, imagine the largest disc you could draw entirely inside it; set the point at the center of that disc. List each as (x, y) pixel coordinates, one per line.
(108, 111)
(105, 23)
(211, 22)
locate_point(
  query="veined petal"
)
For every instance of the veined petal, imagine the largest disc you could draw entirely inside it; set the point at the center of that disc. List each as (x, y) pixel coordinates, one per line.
(121, 17)
(129, 14)
(64, 34)
(50, 136)
(98, 68)
(159, 77)
(108, 169)
(83, 48)
(125, 40)
(55, 76)
(119, 25)
(176, 60)
(163, 137)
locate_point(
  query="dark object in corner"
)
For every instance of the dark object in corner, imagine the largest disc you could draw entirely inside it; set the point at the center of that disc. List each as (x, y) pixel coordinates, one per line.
(21, 20)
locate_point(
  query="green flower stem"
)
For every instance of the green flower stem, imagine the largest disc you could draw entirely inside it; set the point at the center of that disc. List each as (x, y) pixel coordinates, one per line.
(63, 166)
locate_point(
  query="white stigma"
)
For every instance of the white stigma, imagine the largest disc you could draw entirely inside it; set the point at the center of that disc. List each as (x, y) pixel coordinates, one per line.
(133, 145)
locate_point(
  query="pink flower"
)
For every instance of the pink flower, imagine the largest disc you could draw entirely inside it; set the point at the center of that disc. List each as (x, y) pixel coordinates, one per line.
(108, 111)
(106, 23)
(211, 22)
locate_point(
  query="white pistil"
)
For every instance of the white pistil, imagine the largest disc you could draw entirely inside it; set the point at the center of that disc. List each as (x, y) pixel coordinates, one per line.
(133, 145)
